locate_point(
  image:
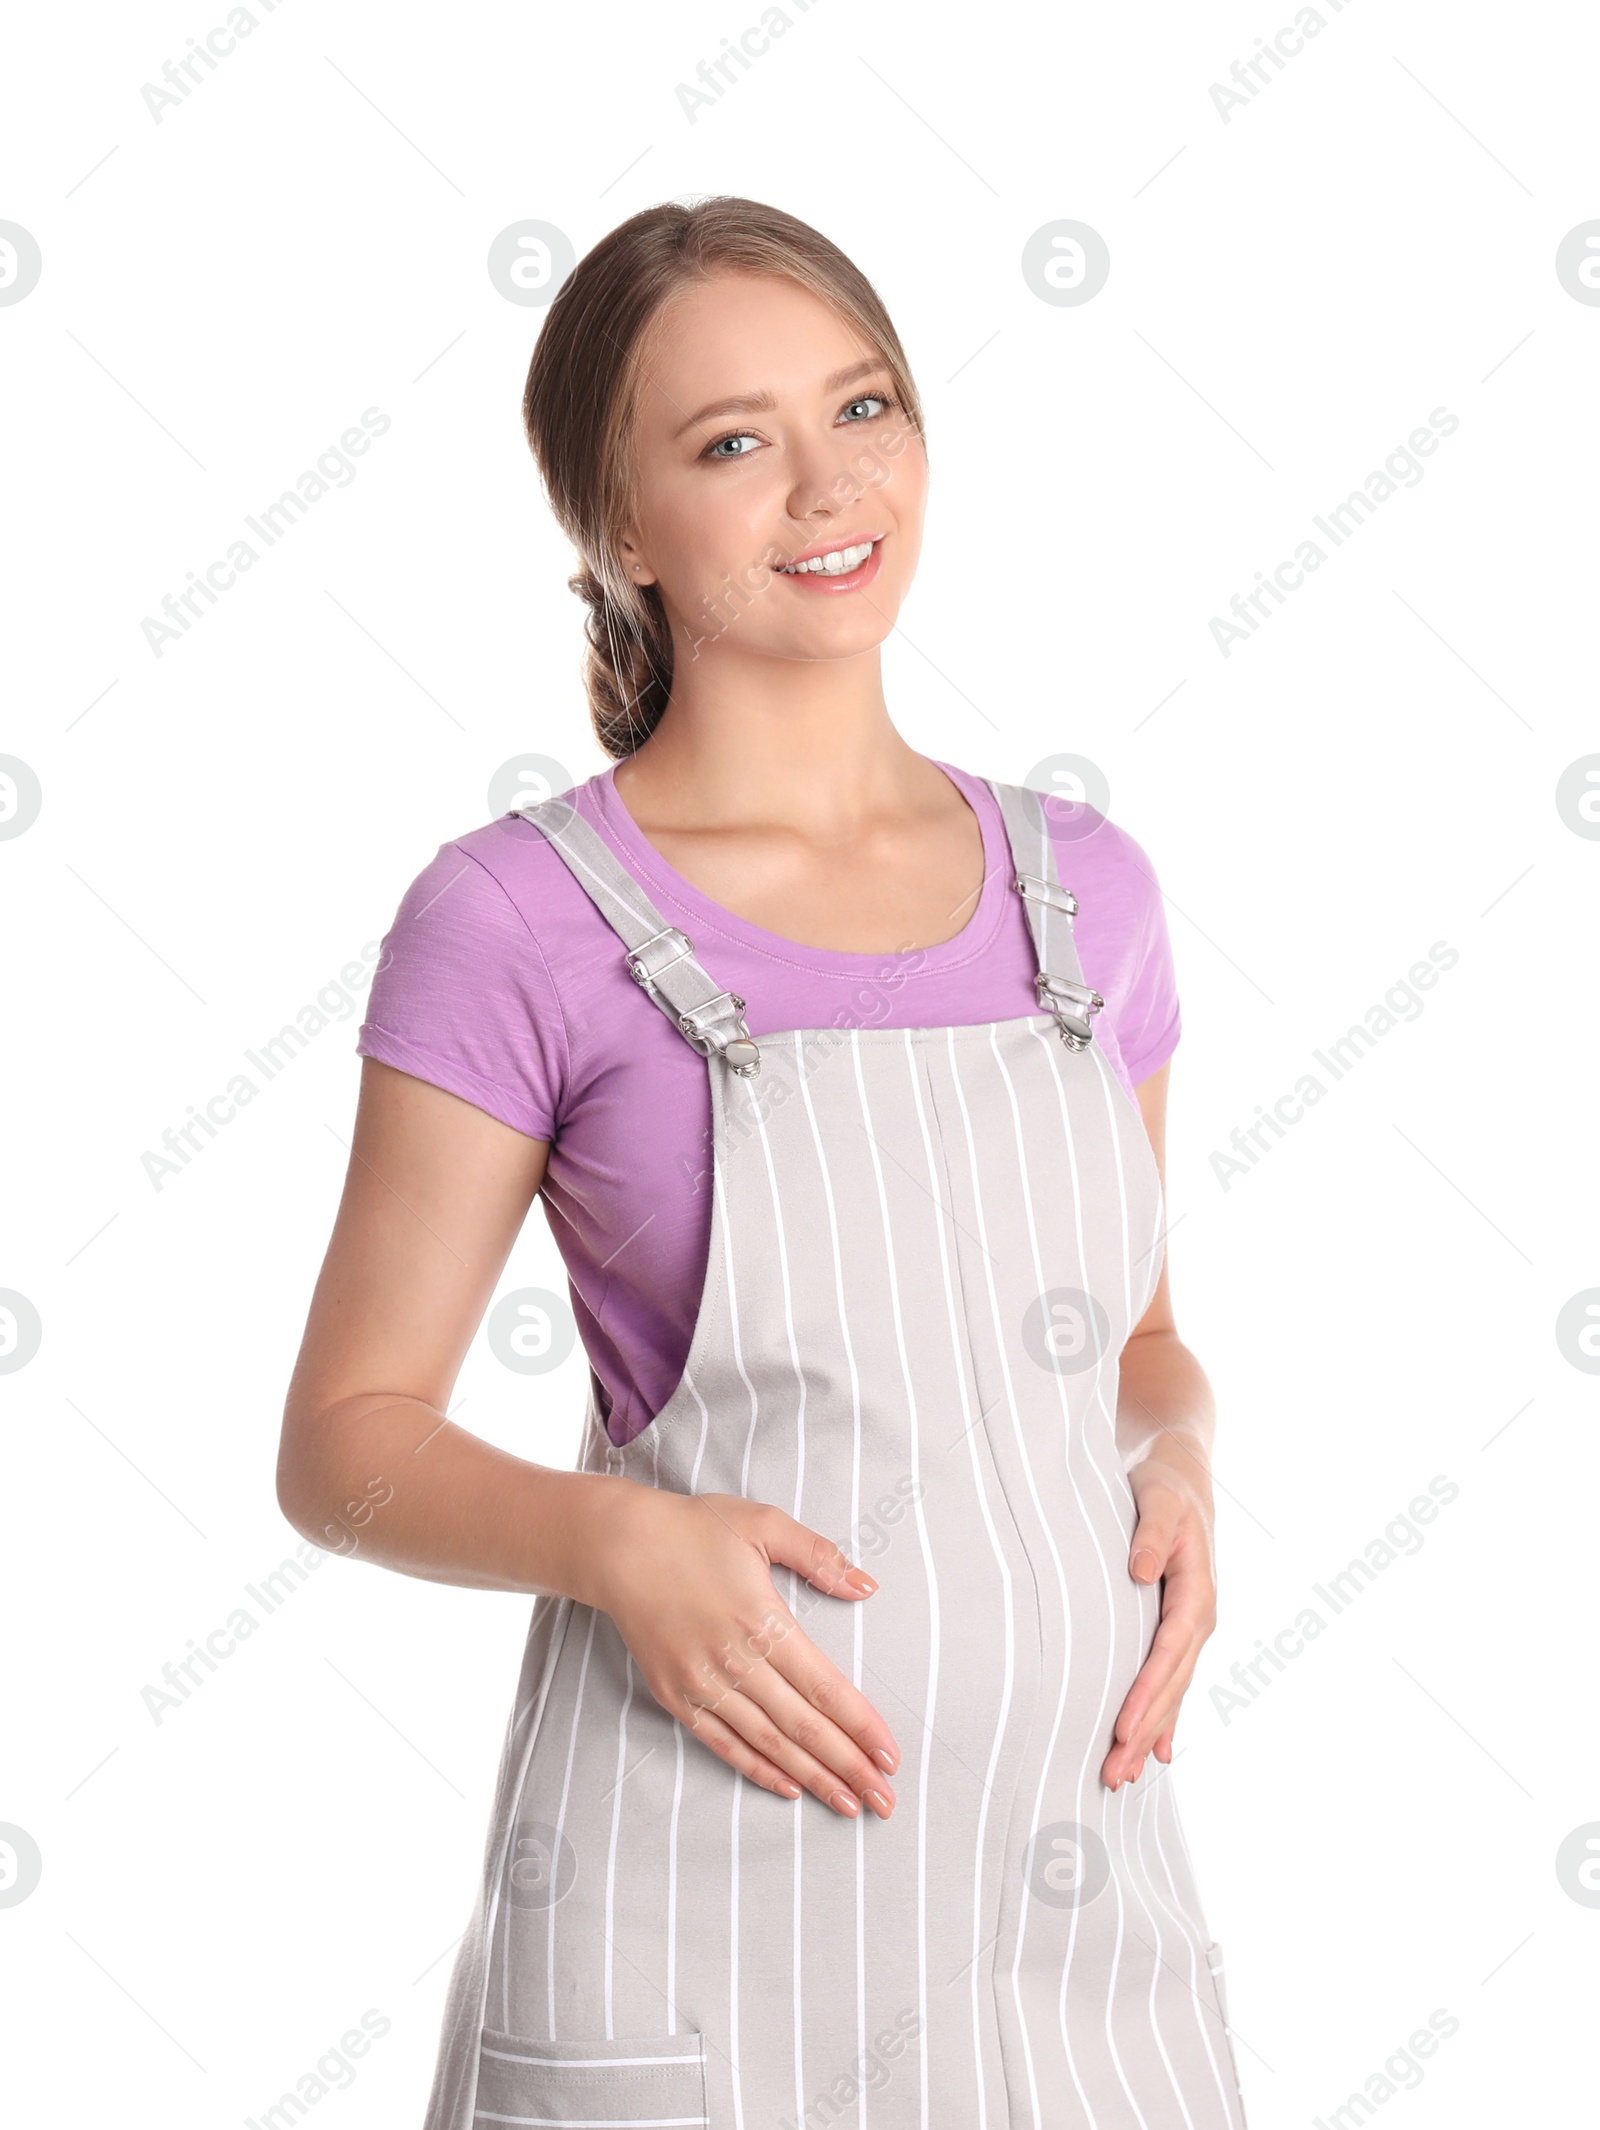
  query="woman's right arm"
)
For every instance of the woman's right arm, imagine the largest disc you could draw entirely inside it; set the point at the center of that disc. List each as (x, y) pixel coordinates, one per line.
(436, 1193)
(368, 1465)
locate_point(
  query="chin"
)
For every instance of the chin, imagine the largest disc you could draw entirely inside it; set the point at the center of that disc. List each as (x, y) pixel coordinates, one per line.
(844, 641)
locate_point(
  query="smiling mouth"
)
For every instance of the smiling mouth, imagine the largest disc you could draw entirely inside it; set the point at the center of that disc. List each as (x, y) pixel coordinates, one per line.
(839, 562)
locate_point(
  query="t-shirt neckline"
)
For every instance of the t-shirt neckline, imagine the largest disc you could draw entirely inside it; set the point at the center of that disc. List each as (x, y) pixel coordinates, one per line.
(669, 885)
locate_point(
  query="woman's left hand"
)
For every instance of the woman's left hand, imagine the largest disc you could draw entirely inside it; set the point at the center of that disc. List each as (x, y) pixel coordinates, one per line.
(1173, 1539)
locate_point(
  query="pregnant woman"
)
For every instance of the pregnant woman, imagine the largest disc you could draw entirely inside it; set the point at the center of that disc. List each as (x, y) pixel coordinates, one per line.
(855, 1169)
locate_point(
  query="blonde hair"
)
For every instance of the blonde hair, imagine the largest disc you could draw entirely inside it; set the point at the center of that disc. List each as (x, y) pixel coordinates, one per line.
(580, 408)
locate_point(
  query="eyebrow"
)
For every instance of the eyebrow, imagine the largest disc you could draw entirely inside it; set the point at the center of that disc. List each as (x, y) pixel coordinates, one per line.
(763, 402)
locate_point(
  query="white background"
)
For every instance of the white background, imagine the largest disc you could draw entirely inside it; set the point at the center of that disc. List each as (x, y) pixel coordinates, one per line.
(224, 827)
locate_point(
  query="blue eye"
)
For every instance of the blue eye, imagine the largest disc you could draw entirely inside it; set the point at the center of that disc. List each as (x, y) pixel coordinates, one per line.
(875, 402)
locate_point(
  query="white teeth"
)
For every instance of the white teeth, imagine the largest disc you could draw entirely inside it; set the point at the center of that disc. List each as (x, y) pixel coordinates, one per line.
(834, 565)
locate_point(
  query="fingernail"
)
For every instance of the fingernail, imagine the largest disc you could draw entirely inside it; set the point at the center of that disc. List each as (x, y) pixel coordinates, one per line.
(842, 1801)
(885, 1759)
(879, 1803)
(862, 1581)
(788, 1789)
(1145, 1575)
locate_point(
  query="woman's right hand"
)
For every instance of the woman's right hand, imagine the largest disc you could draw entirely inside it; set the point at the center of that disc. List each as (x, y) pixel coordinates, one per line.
(688, 1582)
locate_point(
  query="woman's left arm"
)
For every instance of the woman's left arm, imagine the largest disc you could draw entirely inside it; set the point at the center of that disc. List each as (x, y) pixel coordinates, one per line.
(1165, 1420)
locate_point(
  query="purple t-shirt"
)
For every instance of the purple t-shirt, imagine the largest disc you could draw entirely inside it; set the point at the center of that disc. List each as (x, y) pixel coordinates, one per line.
(501, 982)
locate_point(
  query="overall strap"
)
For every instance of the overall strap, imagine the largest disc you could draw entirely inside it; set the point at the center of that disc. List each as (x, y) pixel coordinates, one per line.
(660, 957)
(1050, 909)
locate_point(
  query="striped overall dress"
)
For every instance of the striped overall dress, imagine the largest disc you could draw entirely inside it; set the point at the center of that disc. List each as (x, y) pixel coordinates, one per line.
(928, 1248)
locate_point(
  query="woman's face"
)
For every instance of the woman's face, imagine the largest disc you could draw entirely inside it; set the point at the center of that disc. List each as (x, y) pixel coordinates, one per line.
(767, 435)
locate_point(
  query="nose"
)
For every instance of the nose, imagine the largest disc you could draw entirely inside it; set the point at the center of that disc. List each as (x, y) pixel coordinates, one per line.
(824, 485)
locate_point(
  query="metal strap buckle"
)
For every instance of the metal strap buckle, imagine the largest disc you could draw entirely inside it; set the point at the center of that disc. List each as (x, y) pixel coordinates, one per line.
(1073, 1004)
(645, 968)
(739, 1052)
(1032, 889)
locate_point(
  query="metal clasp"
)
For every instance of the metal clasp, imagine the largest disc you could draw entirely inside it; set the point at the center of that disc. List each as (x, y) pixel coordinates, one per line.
(644, 969)
(739, 1053)
(1032, 889)
(1061, 994)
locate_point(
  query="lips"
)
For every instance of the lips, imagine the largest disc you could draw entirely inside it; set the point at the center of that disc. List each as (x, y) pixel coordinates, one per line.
(836, 565)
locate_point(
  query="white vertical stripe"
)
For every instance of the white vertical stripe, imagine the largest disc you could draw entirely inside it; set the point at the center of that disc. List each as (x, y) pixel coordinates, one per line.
(959, 1376)
(561, 1819)
(1157, 1800)
(1108, 1414)
(1048, 1039)
(558, 1639)
(1010, 1666)
(1022, 1452)
(1133, 1871)
(672, 1880)
(733, 1949)
(1068, 1428)
(734, 1337)
(678, 1767)
(792, 1575)
(611, 1846)
(705, 1429)
(1229, 2098)
(803, 1075)
(857, 1623)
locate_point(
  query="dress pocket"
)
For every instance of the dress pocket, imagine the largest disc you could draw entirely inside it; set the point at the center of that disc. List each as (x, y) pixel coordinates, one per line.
(654, 2082)
(1214, 1962)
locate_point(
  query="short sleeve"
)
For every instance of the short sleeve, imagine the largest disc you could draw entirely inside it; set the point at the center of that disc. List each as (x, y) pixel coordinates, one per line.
(462, 998)
(1121, 933)
(1148, 1022)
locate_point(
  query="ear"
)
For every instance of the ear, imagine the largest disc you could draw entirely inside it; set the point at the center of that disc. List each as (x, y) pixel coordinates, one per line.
(636, 568)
